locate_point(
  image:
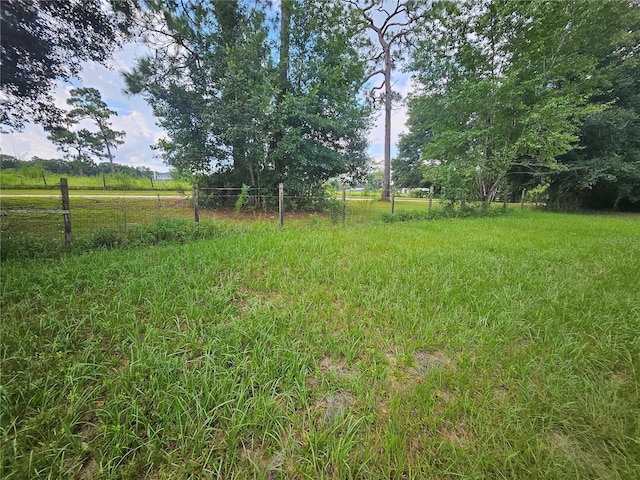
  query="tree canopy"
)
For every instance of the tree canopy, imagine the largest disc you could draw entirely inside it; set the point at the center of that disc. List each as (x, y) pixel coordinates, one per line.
(506, 83)
(47, 40)
(83, 146)
(253, 103)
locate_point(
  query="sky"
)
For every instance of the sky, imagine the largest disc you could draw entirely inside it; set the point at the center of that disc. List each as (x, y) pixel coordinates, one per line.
(136, 119)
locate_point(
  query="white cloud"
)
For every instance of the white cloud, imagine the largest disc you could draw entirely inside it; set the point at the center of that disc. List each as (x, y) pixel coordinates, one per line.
(32, 142)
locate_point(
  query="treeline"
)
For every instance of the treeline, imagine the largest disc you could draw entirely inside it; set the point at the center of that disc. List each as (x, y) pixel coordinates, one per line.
(542, 96)
(509, 95)
(63, 167)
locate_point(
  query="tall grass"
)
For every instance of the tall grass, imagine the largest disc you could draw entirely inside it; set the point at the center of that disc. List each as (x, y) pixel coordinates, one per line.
(476, 348)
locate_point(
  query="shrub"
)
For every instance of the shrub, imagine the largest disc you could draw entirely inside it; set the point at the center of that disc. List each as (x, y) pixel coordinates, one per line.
(105, 238)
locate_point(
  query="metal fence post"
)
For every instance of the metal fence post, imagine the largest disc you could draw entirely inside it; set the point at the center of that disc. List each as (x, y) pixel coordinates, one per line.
(344, 203)
(66, 207)
(393, 200)
(281, 203)
(196, 211)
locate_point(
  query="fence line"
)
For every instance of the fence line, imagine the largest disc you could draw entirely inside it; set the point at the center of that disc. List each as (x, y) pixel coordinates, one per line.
(65, 211)
(98, 215)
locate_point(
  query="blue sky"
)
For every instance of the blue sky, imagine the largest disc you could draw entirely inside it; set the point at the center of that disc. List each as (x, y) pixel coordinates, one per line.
(136, 118)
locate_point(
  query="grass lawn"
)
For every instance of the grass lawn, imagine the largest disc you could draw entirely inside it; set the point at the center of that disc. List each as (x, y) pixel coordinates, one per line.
(479, 348)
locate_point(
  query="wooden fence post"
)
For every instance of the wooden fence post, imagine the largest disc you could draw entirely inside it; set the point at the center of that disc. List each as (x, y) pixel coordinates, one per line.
(281, 203)
(344, 203)
(524, 190)
(66, 206)
(430, 196)
(393, 200)
(104, 182)
(44, 179)
(196, 211)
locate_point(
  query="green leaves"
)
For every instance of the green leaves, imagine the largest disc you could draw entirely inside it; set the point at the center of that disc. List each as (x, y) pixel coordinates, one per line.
(505, 80)
(43, 41)
(88, 105)
(245, 110)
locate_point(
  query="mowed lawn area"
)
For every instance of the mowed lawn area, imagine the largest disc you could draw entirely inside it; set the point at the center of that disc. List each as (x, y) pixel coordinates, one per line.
(471, 348)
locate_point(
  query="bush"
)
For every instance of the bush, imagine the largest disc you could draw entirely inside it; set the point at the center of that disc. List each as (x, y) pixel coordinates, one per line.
(105, 238)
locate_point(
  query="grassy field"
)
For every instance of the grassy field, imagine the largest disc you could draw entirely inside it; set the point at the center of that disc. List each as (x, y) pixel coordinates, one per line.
(477, 348)
(15, 179)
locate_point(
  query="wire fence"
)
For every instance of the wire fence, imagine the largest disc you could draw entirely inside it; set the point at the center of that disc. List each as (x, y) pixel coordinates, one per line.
(43, 217)
(67, 216)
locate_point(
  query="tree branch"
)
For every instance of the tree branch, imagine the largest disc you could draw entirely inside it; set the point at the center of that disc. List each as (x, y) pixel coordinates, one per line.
(379, 87)
(373, 74)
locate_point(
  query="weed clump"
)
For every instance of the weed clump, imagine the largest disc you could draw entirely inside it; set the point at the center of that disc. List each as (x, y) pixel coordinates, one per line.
(468, 211)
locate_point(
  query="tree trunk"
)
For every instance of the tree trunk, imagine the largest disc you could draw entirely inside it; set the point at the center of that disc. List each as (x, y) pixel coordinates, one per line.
(283, 73)
(386, 172)
(106, 144)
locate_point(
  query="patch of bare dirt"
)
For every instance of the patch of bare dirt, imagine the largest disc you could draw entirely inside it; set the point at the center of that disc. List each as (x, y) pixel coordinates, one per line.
(427, 360)
(404, 377)
(337, 367)
(89, 470)
(271, 465)
(334, 405)
(458, 433)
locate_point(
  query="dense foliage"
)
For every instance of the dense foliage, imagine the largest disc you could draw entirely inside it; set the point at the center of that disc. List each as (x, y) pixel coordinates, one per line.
(248, 104)
(605, 171)
(505, 87)
(47, 40)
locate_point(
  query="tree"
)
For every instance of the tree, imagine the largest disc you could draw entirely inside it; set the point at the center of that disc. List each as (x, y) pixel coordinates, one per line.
(78, 146)
(245, 104)
(87, 103)
(505, 82)
(323, 120)
(87, 145)
(210, 82)
(605, 171)
(392, 29)
(47, 40)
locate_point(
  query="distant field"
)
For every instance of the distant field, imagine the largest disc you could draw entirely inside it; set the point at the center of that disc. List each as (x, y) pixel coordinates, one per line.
(477, 348)
(11, 179)
(14, 192)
